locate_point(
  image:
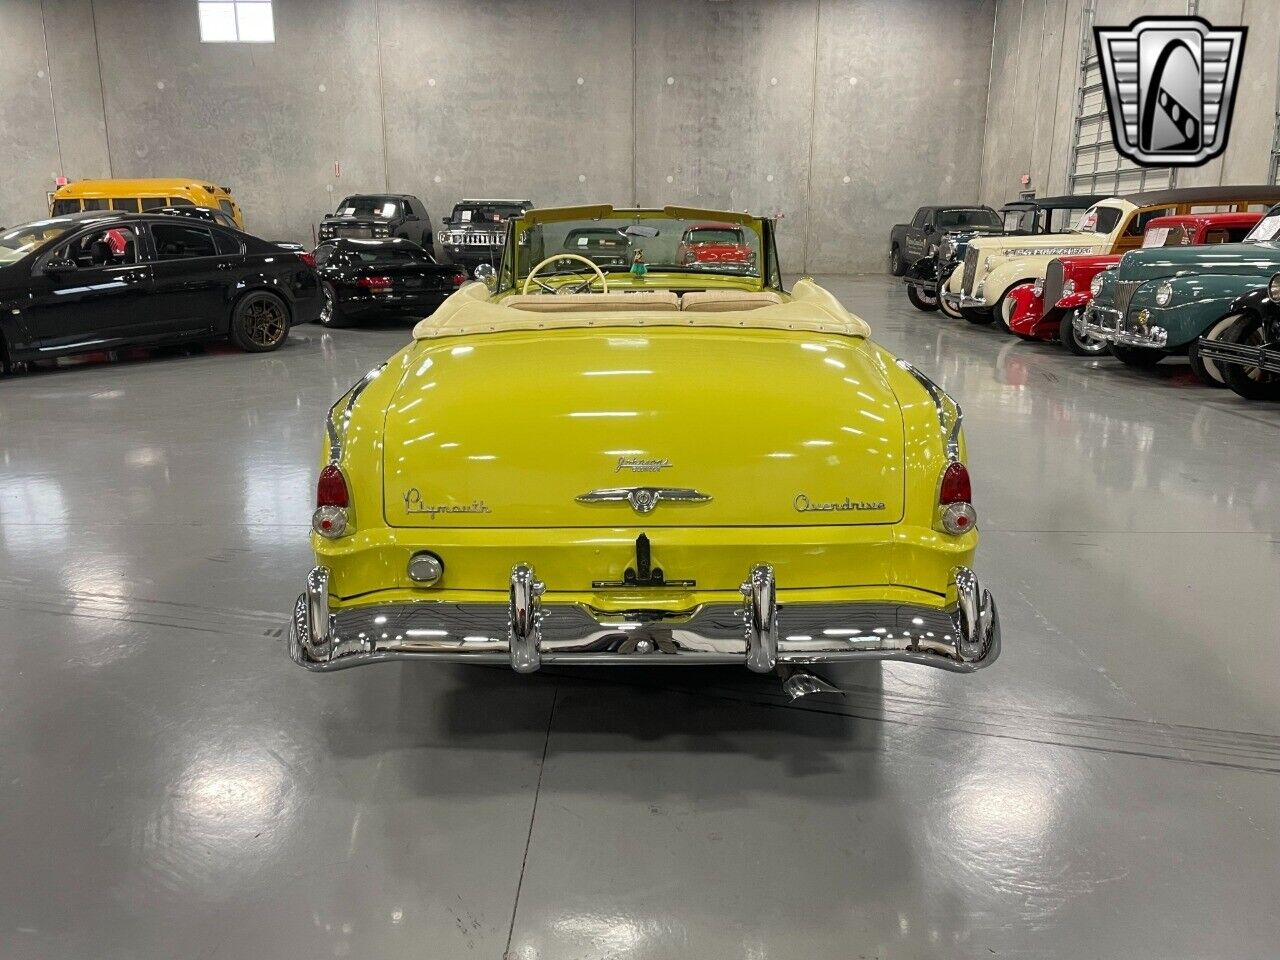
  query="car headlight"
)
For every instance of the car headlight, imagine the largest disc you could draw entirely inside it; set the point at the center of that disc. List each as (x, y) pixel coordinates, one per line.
(1273, 288)
(443, 236)
(1164, 293)
(1068, 288)
(1095, 285)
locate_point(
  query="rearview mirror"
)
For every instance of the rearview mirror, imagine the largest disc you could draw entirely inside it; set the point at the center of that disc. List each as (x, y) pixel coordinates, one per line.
(447, 221)
(487, 275)
(640, 230)
(60, 265)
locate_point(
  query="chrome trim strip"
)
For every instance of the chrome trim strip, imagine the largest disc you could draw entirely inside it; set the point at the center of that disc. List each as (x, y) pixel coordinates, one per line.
(526, 632)
(950, 435)
(338, 434)
(643, 499)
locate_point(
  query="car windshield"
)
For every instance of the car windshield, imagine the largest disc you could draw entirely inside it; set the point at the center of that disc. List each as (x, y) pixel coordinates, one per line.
(975, 217)
(1023, 219)
(18, 242)
(471, 213)
(661, 244)
(1267, 228)
(713, 235)
(385, 208)
(1099, 219)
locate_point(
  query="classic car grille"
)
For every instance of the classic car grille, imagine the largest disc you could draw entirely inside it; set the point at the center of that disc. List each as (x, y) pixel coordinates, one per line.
(1124, 294)
(464, 239)
(1052, 284)
(970, 269)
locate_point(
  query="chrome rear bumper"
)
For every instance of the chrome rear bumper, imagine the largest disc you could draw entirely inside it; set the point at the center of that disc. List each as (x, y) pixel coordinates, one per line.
(759, 632)
(1265, 358)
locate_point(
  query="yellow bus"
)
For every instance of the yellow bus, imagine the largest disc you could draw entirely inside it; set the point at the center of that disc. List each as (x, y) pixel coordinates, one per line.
(140, 195)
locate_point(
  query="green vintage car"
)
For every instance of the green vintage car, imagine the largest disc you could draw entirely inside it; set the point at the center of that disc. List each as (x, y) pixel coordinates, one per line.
(1160, 301)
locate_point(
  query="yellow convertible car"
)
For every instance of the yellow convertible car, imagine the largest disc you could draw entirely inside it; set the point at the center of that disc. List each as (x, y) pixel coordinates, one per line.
(609, 453)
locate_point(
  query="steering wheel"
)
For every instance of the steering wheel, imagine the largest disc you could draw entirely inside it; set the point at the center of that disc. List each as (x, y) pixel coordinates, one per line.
(581, 287)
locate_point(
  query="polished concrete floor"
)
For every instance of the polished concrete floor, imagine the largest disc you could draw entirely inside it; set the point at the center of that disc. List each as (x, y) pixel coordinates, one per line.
(171, 786)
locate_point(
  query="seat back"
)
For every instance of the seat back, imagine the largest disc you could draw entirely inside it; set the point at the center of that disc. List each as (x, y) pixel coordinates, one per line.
(646, 300)
(723, 301)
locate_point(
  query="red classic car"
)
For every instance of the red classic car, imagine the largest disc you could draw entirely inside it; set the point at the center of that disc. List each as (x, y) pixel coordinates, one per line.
(1067, 281)
(717, 243)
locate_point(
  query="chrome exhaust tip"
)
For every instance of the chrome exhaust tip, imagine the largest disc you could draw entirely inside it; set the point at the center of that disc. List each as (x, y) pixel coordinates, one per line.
(801, 683)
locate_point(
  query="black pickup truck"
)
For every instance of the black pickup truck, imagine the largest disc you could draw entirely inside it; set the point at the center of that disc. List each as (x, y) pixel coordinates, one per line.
(380, 216)
(918, 240)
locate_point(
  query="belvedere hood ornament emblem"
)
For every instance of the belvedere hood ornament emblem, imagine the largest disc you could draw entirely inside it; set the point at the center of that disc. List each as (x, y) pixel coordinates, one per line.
(643, 499)
(1171, 86)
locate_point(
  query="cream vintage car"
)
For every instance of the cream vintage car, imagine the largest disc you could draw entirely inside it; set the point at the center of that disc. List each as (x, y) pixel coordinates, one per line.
(650, 461)
(979, 288)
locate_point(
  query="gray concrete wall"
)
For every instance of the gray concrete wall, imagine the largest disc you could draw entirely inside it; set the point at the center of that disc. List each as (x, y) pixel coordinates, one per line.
(839, 115)
(1034, 77)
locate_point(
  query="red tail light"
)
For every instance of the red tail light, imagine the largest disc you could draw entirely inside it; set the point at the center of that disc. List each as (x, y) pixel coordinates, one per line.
(331, 489)
(308, 258)
(374, 283)
(955, 487)
(459, 279)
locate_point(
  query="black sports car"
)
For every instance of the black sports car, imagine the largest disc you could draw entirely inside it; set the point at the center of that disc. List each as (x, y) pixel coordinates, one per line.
(102, 279)
(364, 279)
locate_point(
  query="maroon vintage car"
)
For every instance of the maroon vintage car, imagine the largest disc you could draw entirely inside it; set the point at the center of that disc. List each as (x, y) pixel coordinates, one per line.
(1067, 282)
(718, 243)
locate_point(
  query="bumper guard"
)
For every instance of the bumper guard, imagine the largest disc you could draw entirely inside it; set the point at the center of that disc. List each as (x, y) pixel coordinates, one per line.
(759, 632)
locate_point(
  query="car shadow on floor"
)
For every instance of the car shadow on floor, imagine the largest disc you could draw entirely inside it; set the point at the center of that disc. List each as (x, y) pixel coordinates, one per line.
(641, 710)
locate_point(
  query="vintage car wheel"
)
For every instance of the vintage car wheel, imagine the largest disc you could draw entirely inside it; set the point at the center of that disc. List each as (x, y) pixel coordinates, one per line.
(1206, 371)
(331, 313)
(1141, 357)
(921, 300)
(259, 322)
(974, 315)
(897, 266)
(1249, 382)
(1081, 346)
(946, 308)
(1005, 306)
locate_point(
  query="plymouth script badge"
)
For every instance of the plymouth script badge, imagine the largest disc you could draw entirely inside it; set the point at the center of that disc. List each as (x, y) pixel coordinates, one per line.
(413, 503)
(803, 504)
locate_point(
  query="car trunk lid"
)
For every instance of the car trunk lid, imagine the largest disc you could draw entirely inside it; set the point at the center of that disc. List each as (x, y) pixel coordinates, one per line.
(522, 430)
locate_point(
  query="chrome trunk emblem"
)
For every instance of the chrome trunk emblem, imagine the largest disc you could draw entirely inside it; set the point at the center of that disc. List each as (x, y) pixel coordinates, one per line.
(643, 499)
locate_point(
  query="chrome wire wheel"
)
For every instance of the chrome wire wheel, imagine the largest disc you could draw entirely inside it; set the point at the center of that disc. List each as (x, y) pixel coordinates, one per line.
(265, 322)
